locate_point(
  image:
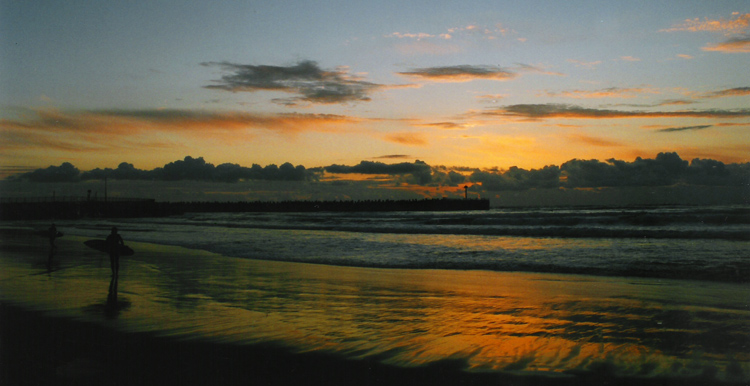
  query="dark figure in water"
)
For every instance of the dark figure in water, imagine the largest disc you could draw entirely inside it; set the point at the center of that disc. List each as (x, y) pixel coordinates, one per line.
(52, 234)
(114, 240)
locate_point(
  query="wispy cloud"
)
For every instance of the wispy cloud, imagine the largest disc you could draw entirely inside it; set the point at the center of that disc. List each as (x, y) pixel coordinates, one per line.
(684, 128)
(393, 156)
(593, 141)
(731, 92)
(469, 31)
(444, 125)
(306, 78)
(427, 47)
(630, 59)
(611, 92)
(676, 102)
(545, 111)
(727, 124)
(410, 139)
(491, 98)
(490, 33)
(685, 56)
(420, 35)
(586, 65)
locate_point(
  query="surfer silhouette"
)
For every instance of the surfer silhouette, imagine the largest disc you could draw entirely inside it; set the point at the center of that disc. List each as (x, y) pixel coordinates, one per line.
(52, 234)
(114, 240)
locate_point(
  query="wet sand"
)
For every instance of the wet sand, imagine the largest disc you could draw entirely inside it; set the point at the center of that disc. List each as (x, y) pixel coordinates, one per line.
(189, 317)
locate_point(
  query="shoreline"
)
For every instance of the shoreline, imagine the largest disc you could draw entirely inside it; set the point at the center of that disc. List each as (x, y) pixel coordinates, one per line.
(169, 329)
(39, 349)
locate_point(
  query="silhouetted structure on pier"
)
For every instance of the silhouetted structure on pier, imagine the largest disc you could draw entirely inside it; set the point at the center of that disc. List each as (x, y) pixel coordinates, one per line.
(72, 208)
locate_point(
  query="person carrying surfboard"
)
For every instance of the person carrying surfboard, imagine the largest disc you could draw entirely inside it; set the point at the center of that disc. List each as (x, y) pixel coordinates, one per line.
(114, 240)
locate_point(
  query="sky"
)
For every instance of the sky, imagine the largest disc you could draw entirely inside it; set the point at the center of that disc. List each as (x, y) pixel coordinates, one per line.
(476, 84)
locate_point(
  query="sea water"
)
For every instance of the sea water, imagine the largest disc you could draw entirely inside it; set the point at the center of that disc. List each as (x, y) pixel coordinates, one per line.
(631, 292)
(703, 243)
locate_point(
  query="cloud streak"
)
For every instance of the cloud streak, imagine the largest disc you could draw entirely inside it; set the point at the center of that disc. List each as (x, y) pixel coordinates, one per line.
(460, 73)
(545, 111)
(483, 32)
(306, 78)
(98, 130)
(730, 92)
(685, 128)
(612, 92)
(468, 73)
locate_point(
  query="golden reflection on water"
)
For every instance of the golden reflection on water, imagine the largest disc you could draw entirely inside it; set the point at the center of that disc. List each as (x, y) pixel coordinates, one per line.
(492, 320)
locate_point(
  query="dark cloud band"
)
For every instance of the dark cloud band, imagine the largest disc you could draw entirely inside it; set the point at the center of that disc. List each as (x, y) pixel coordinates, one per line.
(306, 78)
(665, 170)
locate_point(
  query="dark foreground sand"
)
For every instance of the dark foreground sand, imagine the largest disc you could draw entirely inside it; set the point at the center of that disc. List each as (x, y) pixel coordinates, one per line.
(40, 350)
(58, 326)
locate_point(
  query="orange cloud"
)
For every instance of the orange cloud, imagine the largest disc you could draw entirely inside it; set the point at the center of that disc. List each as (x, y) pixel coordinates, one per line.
(108, 129)
(424, 47)
(127, 121)
(410, 139)
(735, 45)
(733, 124)
(738, 24)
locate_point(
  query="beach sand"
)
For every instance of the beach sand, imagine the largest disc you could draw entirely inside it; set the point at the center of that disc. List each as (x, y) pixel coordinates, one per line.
(180, 316)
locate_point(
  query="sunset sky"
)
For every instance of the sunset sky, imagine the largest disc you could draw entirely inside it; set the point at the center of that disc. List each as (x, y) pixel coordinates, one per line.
(315, 83)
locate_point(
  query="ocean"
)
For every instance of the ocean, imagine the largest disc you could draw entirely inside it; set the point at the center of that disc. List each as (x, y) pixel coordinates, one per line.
(702, 243)
(657, 294)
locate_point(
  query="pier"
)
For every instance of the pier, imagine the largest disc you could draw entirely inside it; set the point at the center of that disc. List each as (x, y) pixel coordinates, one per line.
(44, 208)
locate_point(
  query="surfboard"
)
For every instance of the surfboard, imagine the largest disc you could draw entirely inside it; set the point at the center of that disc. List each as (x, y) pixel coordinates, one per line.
(101, 245)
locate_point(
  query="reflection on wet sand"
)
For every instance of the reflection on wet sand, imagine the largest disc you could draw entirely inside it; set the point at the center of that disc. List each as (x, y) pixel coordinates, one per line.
(113, 306)
(491, 321)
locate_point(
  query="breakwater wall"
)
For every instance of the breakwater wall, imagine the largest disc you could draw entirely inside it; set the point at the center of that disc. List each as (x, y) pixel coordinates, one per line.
(334, 206)
(43, 209)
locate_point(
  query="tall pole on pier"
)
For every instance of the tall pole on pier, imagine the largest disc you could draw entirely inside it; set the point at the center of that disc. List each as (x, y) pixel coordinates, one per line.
(105, 189)
(466, 192)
